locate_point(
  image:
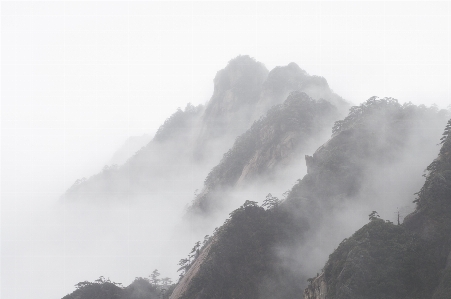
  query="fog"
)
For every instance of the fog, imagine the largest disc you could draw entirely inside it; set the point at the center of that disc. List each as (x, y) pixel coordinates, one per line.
(401, 149)
(79, 79)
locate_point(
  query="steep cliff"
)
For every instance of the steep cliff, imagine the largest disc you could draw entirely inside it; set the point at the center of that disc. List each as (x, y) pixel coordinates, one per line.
(317, 289)
(241, 262)
(186, 281)
(236, 90)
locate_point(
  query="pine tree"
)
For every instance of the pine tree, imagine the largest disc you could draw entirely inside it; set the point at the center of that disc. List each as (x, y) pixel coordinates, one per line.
(447, 132)
(154, 277)
(374, 215)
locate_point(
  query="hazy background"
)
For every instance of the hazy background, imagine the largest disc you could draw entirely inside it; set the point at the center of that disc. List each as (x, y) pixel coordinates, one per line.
(78, 79)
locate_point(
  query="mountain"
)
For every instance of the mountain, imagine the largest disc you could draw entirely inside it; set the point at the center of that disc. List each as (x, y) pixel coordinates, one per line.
(192, 140)
(272, 143)
(236, 91)
(240, 257)
(145, 197)
(372, 162)
(269, 253)
(284, 79)
(408, 260)
(142, 173)
(244, 91)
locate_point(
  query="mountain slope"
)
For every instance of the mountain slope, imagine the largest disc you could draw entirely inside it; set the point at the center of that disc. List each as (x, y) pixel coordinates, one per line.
(192, 140)
(374, 139)
(158, 159)
(284, 79)
(272, 142)
(241, 257)
(412, 260)
(140, 288)
(236, 90)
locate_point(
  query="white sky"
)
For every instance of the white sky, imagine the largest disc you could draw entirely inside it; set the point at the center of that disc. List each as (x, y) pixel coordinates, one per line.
(78, 78)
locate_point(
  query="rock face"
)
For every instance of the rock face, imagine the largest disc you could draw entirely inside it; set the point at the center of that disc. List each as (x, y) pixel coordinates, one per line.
(266, 159)
(185, 283)
(317, 289)
(241, 262)
(236, 90)
(230, 110)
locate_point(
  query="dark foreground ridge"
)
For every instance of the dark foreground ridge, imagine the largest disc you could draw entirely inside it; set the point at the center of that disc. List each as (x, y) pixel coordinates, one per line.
(259, 251)
(411, 260)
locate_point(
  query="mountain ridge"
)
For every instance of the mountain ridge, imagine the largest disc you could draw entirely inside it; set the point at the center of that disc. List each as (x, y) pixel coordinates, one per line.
(342, 163)
(270, 251)
(416, 264)
(244, 90)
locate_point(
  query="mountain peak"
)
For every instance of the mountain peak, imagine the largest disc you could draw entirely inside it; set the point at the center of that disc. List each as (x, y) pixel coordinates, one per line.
(284, 78)
(241, 72)
(236, 89)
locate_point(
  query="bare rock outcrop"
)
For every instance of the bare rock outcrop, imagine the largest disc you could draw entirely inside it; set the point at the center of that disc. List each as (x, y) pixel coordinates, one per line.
(236, 90)
(317, 289)
(184, 283)
(266, 159)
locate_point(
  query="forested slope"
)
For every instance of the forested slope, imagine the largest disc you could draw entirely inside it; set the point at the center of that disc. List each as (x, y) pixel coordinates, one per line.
(140, 288)
(409, 260)
(276, 246)
(271, 143)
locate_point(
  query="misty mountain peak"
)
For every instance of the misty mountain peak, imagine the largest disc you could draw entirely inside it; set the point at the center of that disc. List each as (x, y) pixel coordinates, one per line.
(244, 90)
(236, 90)
(242, 72)
(286, 78)
(283, 80)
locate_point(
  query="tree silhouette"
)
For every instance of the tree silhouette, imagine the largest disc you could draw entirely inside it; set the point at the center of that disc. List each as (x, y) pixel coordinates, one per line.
(166, 281)
(154, 277)
(270, 201)
(195, 250)
(447, 132)
(374, 215)
(206, 239)
(183, 263)
(250, 203)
